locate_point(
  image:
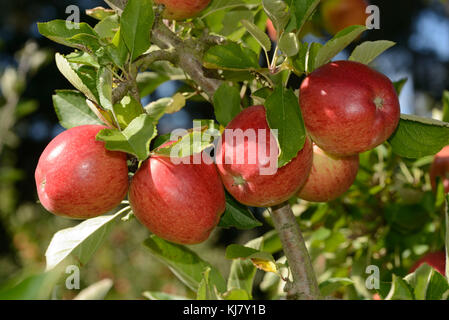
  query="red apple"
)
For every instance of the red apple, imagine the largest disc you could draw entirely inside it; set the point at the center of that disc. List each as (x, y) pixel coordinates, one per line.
(182, 9)
(436, 260)
(77, 177)
(329, 177)
(179, 202)
(340, 14)
(440, 168)
(271, 30)
(348, 107)
(255, 180)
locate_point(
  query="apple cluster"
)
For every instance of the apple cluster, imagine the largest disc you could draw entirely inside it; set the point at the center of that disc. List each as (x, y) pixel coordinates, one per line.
(347, 108)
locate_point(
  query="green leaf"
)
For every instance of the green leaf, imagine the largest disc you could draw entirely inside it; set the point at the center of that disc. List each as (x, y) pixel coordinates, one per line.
(96, 291)
(104, 87)
(154, 295)
(81, 81)
(340, 41)
(184, 263)
(236, 294)
(205, 290)
(333, 284)
(156, 109)
(226, 103)
(127, 110)
(236, 251)
(400, 290)
(77, 35)
(80, 242)
(100, 13)
(72, 109)
(107, 27)
(35, 287)
(81, 57)
(284, 114)
(446, 106)
(310, 58)
(261, 37)
(118, 51)
(299, 60)
(193, 142)
(370, 50)
(302, 11)
(135, 25)
(231, 56)
(278, 13)
(135, 139)
(260, 21)
(238, 216)
(241, 275)
(427, 283)
(399, 85)
(289, 44)
(417, 137)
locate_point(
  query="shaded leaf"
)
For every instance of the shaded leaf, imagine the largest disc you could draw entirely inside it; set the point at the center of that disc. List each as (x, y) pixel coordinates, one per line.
(226, 103)
(72, 109)
(184, 263)
(284, 114)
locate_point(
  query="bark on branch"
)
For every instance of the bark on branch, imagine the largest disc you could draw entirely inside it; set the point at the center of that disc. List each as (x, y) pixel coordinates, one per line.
(304, 285)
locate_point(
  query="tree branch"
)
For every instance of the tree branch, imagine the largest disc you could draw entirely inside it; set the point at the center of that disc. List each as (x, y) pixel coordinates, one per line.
(304, 285)
(187, 54)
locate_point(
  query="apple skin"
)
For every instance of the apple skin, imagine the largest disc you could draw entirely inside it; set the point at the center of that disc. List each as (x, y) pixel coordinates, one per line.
(271, 31)
(329, 177)
(182, 9)
(440, 168)
(181, 203)
(340, 14)
(77, 177)
(436, 260)
(244, 181)
(348, 108)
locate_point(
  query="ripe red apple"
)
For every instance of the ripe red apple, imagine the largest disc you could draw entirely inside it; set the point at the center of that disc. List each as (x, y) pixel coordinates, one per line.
(440, 168)
(329, 177)
(180, 202)
(255, 180)
(77, 177)
(182, 9)
(340, 14)
(436, 260)
(348, 107)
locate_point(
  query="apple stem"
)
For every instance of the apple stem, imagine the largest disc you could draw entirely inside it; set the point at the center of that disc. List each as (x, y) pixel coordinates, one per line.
(304, 285)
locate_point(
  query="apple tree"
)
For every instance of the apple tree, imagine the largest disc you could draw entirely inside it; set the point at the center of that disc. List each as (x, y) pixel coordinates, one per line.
(349, 192)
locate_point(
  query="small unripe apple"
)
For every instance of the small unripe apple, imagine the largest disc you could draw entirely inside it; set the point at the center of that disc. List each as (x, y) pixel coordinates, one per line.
(77, 177)
(340, 14)
(255, 180)
(179, 202)
(182, 9)
(436, 260)
(348, 107)
(329, 177)
(440, 168)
